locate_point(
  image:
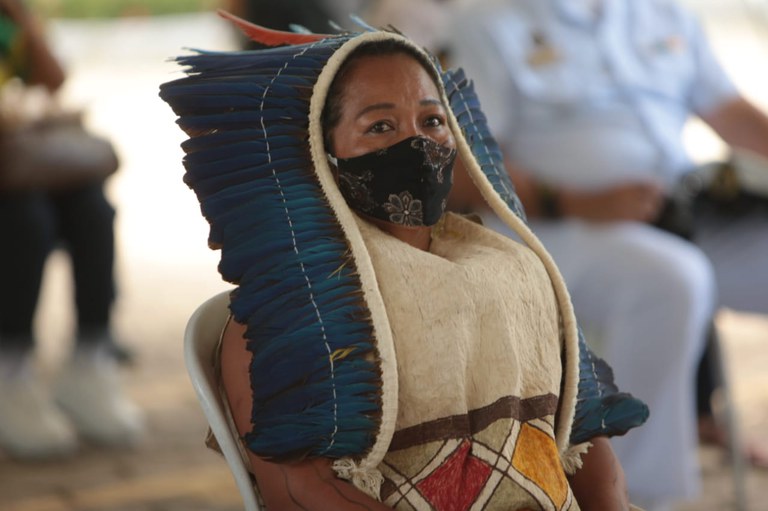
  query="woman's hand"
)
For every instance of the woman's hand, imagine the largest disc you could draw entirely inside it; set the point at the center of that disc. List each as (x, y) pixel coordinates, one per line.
(640, 202)
(309, 485)
(599, 484)
(637, 201)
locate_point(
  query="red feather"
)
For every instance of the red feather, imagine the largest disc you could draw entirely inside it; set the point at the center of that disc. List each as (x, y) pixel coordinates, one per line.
(270, 37)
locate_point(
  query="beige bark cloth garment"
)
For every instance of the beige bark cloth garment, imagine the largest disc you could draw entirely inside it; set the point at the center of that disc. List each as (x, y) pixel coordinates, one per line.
(476, 327)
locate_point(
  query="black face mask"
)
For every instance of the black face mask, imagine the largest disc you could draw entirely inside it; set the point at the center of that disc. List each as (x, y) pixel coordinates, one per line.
(407, 183)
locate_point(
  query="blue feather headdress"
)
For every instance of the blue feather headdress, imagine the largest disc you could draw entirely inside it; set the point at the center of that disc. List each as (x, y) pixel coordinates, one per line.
(323, 370)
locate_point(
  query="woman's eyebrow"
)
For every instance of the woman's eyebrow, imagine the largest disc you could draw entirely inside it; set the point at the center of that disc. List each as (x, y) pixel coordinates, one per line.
(426, 102)
(389, 106)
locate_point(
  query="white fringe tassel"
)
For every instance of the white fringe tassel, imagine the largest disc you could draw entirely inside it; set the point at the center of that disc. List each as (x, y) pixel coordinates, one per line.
(367, 480)
(571, 458)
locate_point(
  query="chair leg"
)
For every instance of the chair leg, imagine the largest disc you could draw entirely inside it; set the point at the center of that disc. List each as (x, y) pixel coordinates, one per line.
(736, 456)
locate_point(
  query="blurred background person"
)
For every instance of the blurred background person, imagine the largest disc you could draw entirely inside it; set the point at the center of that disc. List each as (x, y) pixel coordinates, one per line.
(427, 22)
(589, 99)
(87, 399)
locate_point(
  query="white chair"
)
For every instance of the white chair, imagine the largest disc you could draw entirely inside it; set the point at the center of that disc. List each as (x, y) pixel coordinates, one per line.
(201, 339)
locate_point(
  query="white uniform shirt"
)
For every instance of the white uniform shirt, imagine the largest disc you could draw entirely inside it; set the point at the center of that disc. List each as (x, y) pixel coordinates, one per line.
(589, 93)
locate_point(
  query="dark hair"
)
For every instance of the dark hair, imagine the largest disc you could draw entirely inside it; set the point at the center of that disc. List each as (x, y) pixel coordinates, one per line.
(332, 108)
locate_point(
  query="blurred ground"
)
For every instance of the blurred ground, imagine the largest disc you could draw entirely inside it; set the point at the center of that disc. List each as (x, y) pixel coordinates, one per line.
(165, 271)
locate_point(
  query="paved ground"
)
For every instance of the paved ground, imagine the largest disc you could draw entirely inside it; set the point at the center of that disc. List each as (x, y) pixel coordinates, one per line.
(165, 271)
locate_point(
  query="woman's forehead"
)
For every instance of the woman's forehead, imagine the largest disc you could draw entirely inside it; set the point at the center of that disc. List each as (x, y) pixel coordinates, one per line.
(390, 75)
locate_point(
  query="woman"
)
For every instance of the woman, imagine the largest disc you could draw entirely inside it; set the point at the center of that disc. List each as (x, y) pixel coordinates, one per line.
(383, 355)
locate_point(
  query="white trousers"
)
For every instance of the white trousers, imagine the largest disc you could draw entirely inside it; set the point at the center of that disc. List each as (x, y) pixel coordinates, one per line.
(644, 299)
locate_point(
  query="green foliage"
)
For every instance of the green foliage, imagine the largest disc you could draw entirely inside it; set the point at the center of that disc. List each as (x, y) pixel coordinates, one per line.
(116, 8)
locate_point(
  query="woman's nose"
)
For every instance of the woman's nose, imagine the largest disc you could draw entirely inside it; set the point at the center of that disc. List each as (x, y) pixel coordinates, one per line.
(415, 129)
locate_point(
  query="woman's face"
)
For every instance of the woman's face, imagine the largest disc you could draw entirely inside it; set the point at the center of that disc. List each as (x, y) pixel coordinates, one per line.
(386, 99)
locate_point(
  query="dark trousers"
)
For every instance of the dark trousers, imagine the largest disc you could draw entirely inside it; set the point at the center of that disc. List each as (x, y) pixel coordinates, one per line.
(32, 224)
(708, 375)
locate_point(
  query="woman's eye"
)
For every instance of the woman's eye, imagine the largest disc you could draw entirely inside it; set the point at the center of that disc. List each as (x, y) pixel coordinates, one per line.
(434, 121)
(380, 127)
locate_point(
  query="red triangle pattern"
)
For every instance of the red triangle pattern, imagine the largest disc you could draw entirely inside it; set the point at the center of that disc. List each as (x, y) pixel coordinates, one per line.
(455, 485)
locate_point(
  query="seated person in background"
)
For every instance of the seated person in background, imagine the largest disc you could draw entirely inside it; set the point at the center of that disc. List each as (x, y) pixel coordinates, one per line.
(588, 100)
(382, 354)
(88, 400)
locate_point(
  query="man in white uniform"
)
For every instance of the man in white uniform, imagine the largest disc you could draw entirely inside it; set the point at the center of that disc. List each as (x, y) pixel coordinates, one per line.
(588, 99)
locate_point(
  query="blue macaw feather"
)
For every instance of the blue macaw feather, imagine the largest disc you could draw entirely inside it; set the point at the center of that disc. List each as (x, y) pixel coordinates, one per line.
(300, 226)
(282, 245)
(267, 229)
(248, 96)
(245, 139)
(293, 393)
(247, 119)
(211, 62)
(273, 254)
(317, 229)
(345, 302)
(282, 301)
(206, 104)
(305, 416)
(466, 107)
(278, 158)
(298, 323)
(270, 440)
(283, 160)
(293, 281)
(208, 146)
(263, 207)
(361, 23)
(305, 315)
(230, 167)
(600, 408)
(205, 141)
(309, 399)
(279, 375)
(265, 197)
(216, 202)
(262, 330)
(303, 396)
(234, 88)
(312, 233)
(222, 144)
(313, 268)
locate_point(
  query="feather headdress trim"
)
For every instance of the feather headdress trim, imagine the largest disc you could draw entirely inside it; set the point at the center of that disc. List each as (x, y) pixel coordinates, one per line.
(269, 37)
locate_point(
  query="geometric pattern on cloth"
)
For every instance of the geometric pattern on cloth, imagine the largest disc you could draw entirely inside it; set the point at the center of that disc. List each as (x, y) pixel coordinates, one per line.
(456, 483)
(510, 465)
(536, 459)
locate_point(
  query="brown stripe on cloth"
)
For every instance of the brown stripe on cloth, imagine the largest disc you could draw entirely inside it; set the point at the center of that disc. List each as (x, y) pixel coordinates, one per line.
(461, 426)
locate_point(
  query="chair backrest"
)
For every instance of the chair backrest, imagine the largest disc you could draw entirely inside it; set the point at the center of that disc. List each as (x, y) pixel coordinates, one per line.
(201, 339)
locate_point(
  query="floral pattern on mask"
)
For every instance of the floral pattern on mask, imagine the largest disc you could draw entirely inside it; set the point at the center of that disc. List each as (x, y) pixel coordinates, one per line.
(403, 209)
